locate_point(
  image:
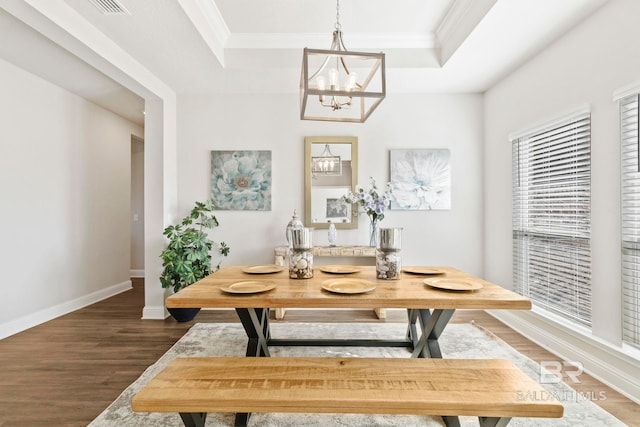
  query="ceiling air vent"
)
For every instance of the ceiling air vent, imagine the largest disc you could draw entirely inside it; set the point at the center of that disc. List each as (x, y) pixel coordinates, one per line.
(110, 7)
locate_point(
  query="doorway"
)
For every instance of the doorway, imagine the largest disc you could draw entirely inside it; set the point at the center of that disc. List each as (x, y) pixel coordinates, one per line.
(137, 207)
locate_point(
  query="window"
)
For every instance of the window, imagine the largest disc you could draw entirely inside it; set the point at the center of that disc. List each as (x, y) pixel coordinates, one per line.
(552, 217)
(630, 220)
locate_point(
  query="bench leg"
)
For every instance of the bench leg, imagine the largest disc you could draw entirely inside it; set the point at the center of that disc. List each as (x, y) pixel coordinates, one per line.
(451, 421)
(242, 419)
(494, 421)
(191, 419)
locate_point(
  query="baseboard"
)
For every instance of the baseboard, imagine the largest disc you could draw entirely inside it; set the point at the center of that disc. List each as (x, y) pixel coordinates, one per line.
(34, 319)
(154, 313)
(136, 273)
(605, 362)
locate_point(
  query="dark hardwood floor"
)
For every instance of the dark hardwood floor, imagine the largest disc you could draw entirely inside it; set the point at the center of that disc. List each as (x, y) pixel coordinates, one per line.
(66, 371)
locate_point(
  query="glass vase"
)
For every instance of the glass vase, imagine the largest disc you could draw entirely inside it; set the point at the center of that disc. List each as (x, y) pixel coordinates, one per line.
(373, 233)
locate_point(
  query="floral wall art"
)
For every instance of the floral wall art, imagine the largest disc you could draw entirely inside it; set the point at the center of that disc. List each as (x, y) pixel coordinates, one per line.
(421, 179)
(241, 180)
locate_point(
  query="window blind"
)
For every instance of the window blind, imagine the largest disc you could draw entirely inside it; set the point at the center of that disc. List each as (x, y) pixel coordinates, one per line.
(630, 220)
(551, 203)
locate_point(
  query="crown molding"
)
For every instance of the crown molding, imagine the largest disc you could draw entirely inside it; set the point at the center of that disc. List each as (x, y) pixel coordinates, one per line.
(460, 20)
(354, 41)
(208, 21)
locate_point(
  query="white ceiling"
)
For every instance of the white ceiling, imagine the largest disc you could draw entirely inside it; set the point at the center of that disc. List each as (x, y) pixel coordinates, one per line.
(255, 46)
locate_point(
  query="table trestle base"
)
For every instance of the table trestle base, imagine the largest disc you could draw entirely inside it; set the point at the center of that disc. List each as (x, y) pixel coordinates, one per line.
(355, 342)
(255, 322)
(423, 342)
(432, 324)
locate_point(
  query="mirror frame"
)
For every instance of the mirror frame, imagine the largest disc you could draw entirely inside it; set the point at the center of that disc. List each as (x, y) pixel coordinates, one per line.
(308, 142)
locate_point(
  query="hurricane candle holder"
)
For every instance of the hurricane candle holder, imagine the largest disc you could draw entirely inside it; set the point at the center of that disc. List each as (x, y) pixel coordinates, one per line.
(388, 259)
(301, 254)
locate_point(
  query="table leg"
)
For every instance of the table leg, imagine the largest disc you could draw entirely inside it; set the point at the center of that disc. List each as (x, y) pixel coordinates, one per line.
(432, 324)
(412, 331)
(256, 325)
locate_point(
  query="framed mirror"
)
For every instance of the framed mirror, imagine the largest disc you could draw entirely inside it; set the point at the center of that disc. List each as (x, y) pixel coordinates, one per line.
(330, 172)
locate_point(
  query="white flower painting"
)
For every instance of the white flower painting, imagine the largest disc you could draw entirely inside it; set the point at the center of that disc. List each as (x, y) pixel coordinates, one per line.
(421, 179)
(241, 180)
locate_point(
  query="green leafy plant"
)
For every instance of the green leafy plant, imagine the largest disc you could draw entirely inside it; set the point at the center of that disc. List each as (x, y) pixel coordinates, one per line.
(187, 257)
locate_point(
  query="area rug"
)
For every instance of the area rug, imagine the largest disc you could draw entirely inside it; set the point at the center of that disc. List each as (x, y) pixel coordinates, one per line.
(457, 341)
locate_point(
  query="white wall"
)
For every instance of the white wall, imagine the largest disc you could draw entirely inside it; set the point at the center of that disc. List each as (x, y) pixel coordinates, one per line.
(244, 122)
(585, 66)
(64, 197)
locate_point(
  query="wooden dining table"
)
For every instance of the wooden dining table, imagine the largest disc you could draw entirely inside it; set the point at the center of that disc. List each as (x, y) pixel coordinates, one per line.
(429, 300)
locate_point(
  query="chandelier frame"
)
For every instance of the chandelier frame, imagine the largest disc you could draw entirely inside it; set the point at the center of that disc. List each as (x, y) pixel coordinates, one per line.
(337, 101)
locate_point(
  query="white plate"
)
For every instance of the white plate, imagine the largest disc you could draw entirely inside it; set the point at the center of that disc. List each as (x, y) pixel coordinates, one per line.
(422, 270)
(348, 286)
(248, 287)
(453, 284)
(339, 269)
(263, 269)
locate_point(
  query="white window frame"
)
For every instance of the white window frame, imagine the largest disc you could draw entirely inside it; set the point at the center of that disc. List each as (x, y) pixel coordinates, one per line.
(551, 164)
(630, 221)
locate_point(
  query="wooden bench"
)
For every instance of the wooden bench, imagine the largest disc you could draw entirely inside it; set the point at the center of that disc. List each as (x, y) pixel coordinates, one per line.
(493, 390)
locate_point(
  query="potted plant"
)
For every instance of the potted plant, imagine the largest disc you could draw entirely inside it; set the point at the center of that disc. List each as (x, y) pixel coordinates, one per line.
(187, 257)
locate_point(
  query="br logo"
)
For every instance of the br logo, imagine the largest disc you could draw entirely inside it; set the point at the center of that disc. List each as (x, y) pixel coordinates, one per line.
(552, 371)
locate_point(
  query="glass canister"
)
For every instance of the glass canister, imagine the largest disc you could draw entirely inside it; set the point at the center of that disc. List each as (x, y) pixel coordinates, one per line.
(388, 258)
(301, 253)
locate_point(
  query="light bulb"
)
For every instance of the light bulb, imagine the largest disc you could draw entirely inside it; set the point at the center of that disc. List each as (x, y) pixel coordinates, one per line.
(353, 81)
(333, 79)
(321, 82)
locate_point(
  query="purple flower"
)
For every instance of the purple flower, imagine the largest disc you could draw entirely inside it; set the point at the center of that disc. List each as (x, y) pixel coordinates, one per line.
(373, 202)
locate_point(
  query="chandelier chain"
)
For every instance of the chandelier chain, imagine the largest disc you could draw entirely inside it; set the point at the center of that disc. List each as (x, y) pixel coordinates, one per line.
(338, 26)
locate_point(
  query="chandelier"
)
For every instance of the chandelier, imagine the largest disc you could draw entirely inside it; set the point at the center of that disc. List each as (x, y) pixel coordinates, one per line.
(345, 86)
(326, 163)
